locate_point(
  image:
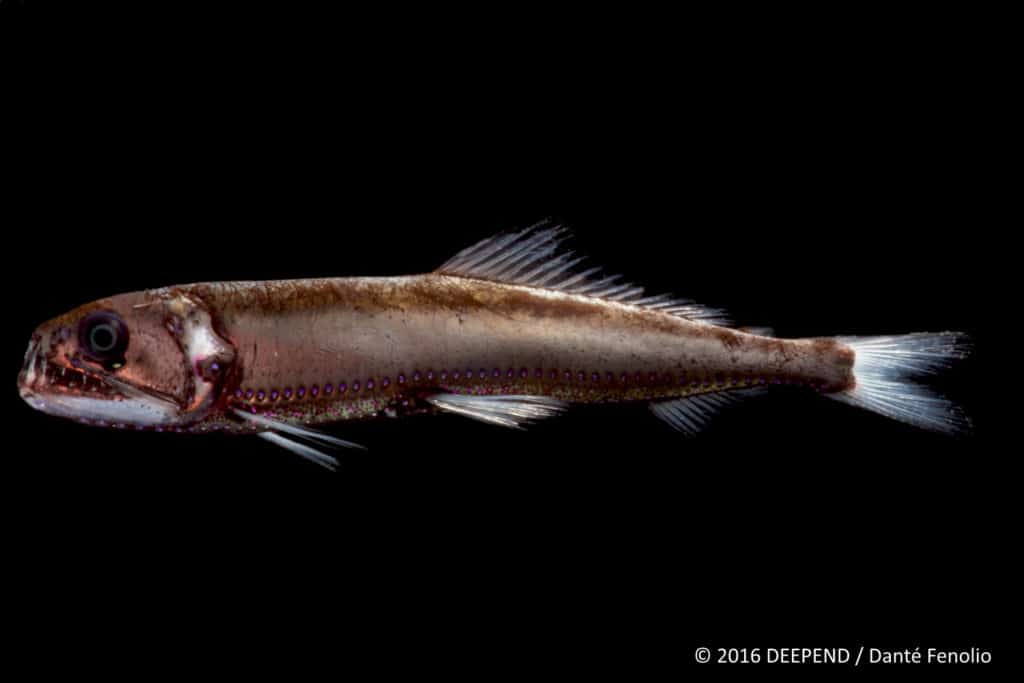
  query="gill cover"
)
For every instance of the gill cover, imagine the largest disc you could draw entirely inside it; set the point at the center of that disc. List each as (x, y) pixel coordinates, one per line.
(209, 357)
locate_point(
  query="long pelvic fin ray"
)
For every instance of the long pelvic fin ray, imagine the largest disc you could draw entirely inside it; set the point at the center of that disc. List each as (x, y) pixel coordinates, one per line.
(534, 257)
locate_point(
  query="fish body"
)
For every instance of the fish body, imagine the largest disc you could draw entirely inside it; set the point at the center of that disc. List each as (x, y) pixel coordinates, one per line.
(508, 331)
(406, 336)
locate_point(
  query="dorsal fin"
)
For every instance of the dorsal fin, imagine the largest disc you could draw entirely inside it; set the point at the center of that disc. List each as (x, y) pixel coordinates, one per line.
(535, 257)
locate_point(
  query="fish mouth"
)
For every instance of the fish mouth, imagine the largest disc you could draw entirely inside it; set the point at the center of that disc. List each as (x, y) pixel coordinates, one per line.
(56, 380)
(78, 392)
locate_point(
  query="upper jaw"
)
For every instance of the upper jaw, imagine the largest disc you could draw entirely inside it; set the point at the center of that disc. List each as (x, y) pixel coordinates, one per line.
(42, 377)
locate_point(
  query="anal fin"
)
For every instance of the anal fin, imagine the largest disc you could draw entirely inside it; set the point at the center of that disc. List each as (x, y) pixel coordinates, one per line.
(692, 414)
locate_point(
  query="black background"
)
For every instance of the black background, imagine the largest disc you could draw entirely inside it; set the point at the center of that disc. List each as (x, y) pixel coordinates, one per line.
(817, 191)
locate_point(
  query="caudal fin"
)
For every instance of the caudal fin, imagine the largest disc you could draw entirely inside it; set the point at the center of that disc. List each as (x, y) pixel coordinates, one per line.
(885, 369)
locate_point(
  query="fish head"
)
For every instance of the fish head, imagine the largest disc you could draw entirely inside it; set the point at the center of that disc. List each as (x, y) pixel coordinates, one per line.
(144, 359)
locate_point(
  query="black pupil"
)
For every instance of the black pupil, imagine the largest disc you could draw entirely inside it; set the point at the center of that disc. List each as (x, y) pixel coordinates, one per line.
(103, 337)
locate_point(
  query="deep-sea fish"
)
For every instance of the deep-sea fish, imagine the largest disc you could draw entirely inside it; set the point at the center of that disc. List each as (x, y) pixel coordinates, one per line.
(509, 331)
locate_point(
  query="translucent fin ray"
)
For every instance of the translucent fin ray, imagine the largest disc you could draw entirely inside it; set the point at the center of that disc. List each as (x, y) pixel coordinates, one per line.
(276, 431)
(535, 257)
(302, 450)
(692, 414)
(884, 367)
(759, 331)
(505, 411)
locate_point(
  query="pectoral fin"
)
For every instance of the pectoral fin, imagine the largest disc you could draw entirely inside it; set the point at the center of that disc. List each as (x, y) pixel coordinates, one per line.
(292, 436)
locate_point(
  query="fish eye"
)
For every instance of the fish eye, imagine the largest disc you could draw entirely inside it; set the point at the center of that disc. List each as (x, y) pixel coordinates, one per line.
(103, 337)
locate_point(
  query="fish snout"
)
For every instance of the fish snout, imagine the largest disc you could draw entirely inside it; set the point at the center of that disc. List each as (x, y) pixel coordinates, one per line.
(30, 373)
